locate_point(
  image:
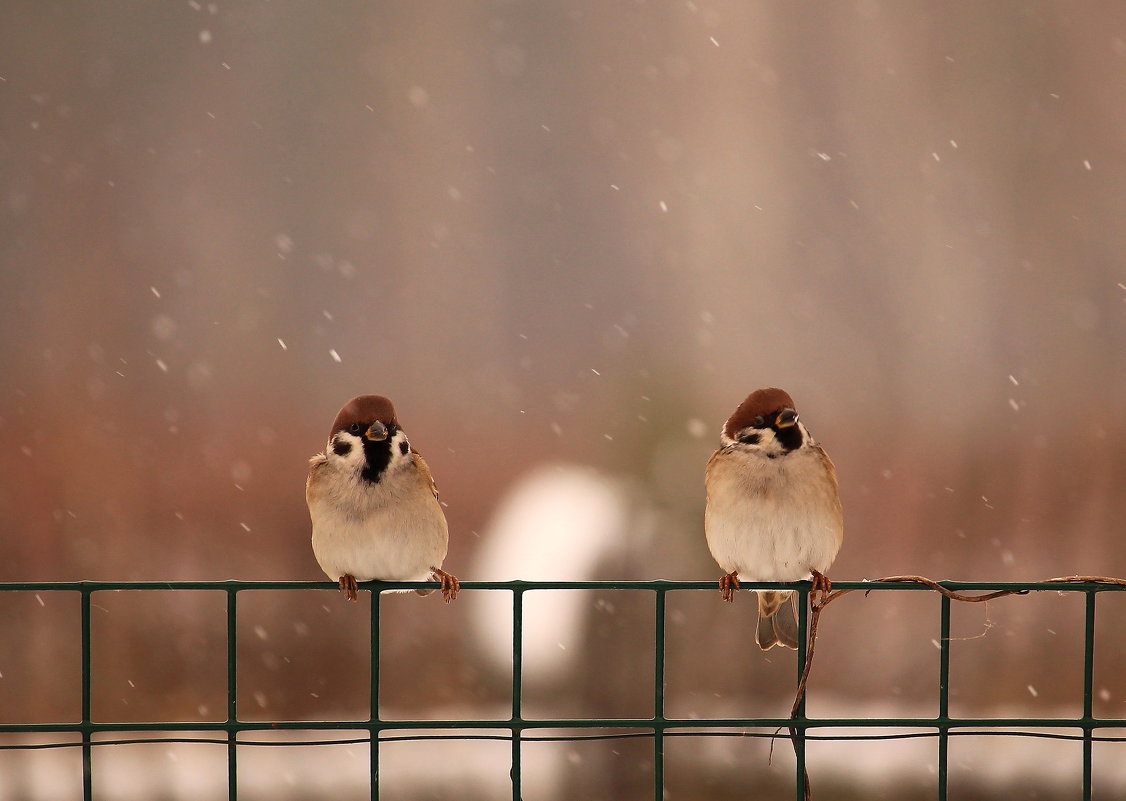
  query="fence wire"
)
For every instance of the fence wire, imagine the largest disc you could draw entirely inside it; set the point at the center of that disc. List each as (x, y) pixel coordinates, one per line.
(520, 729)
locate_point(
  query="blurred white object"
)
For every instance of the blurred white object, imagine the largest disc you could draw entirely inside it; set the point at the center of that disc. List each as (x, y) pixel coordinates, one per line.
(558, 523)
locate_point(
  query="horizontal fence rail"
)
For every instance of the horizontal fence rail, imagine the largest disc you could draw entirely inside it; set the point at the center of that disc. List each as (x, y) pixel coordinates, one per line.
(519, 728)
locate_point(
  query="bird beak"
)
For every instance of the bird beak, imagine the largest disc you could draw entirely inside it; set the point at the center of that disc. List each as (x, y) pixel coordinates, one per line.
(377, 432)
(786, 418)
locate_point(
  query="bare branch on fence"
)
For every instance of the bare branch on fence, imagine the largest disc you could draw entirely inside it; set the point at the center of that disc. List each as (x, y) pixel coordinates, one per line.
(1092, 580)
(816, 605)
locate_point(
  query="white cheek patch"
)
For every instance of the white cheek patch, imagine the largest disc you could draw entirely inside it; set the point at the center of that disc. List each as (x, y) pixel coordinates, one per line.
(346, 450)
(400, 449)
(767, 443)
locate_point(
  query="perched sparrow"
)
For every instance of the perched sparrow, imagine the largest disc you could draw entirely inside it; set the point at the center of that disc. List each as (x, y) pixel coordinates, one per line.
(374, 505)
(773, 512)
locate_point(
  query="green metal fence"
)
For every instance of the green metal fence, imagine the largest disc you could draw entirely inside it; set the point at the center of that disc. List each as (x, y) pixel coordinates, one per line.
(518, 728)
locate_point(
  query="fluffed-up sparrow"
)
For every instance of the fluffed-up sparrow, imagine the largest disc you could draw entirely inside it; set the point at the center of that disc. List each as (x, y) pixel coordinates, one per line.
(374, 505)
(773, 509)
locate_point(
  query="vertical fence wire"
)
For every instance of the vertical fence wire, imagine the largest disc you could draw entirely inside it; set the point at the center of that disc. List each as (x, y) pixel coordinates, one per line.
(232, 694)
(373, 722)
(517, 681)
(801, 598)
(659, 696)
(943, 697)
(1088, 689)
(87, 766)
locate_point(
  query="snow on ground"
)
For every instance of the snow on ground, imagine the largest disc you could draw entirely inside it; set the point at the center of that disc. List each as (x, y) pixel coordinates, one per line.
(480, 769)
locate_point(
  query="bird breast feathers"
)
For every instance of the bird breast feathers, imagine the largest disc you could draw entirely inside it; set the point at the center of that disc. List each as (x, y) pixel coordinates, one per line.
(805, 478)
(345, 489)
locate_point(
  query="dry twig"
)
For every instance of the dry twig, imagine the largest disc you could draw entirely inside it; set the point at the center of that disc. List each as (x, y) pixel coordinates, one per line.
(818, 604)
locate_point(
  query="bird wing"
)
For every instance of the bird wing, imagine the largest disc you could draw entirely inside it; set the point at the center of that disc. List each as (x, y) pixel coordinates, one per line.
(317, 466)
(424, 471)
(832, 490)
(715, 462)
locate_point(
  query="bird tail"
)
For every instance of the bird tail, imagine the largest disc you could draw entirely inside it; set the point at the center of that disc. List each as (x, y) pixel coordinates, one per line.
(776, 626)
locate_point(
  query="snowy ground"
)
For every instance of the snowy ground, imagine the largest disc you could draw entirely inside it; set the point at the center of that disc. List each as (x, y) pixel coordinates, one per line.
(479, 769)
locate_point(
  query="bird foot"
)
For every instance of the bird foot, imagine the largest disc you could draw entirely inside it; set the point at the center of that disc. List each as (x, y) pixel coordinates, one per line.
(349, 587)
(449, 582)
(820, 589)
(727, 586)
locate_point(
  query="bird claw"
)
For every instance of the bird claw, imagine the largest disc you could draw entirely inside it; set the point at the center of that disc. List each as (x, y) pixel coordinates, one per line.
(449, 582)
(820, 589)
(349, 587)
(727, 586)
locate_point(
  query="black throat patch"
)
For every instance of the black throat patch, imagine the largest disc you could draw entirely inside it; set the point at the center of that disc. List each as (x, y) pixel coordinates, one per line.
(378, 456)
(789, 438)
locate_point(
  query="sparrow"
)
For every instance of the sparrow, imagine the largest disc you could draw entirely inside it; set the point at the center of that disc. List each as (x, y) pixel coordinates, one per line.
(773, 510)
(374, 505)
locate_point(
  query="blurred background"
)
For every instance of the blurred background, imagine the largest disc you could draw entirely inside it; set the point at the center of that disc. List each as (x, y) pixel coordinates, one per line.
(567, 239)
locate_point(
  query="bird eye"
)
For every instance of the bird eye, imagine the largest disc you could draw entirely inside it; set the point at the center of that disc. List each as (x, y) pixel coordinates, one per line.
(355, 428)
(759, 421)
